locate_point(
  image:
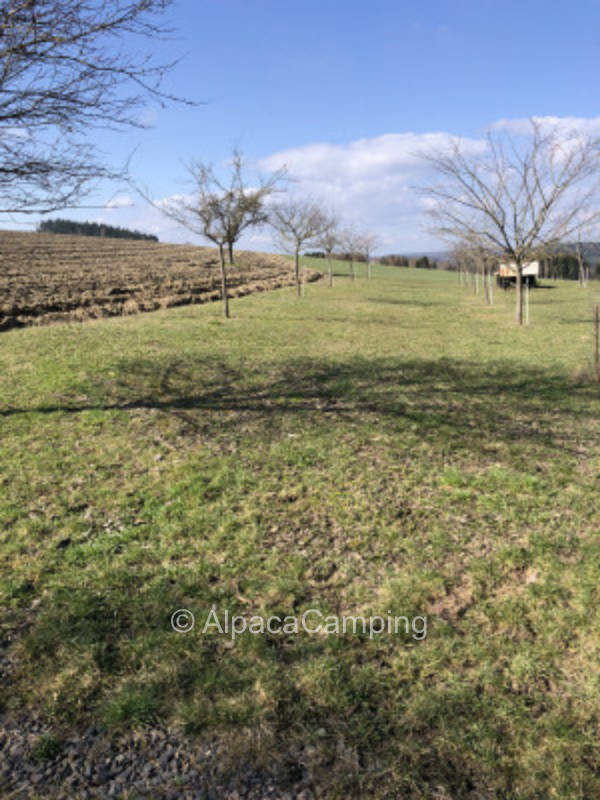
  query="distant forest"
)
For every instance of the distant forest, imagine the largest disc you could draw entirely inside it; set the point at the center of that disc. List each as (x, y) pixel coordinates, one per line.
(422, 262)
(564, 264)
(92, 229)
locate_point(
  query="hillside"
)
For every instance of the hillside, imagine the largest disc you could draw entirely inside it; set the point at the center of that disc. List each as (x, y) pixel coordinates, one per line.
(48, 278)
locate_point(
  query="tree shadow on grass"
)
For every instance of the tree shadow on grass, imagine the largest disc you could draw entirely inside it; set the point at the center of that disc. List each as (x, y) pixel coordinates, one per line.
(463, 403)
(114, 624)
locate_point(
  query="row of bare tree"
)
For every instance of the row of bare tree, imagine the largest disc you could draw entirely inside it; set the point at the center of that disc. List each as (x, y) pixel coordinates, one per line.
(476, 266)
(222, 211)
(303, 223)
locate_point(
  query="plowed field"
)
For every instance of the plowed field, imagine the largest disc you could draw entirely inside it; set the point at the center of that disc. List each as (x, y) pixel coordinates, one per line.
(49, 277)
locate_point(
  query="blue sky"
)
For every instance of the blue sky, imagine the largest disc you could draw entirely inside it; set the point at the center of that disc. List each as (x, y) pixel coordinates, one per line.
(344, 93)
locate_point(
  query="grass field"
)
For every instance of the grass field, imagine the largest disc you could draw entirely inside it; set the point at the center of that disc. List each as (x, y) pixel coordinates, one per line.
(385, 445)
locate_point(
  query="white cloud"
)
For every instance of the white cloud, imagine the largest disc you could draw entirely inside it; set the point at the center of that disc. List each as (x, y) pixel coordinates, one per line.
(119, 201)
(565, 126)
(365, 159)
(370, 182)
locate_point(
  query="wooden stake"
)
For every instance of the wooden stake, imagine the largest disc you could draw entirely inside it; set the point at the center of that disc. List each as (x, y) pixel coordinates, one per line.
(596, 338)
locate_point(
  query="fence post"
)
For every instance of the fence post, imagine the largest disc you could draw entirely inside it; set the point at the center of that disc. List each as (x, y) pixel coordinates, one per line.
(596, 347)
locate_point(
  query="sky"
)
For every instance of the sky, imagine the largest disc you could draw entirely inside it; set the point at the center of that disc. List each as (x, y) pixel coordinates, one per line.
(346, 94)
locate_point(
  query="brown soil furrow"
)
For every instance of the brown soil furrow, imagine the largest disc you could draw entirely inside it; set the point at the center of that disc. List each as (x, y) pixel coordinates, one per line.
(49, 278)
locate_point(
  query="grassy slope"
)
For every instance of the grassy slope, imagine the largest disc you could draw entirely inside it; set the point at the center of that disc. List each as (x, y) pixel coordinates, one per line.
(384, 445)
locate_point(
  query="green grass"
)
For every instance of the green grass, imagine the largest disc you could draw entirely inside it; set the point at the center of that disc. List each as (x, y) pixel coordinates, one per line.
(391, 444)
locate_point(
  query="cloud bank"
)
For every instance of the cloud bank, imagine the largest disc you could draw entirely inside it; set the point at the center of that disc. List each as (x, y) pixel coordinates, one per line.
(371, 183)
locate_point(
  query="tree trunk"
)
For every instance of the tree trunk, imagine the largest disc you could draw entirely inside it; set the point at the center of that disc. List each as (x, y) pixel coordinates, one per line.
(352, 268)
(224, 296)
(330, 270)
(597, 342)
(368, 269)
(580, 266)
(486, 287)
(230, 251)
(298, 291)
(519, 306)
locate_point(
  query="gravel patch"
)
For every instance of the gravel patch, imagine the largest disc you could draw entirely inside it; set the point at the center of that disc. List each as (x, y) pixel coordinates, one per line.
(144, 764)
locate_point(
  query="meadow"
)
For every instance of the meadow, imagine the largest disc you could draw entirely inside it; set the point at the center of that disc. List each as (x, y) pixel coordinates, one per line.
(385, 445)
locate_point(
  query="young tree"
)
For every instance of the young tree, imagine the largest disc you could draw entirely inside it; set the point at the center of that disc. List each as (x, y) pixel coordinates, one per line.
(479, 262)
(297, 223)
(519, 194)
(582, 269)
(328, 241)
(367, 242)
(204, 219)
(220, 212)
(239, 207)
(351, 244)
(64, 69)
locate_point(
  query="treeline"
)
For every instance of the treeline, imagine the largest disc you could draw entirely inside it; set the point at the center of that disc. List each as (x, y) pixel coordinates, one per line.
(566, 266)
(357, 256)
(423, 262)
(563, 265)
(92, 229)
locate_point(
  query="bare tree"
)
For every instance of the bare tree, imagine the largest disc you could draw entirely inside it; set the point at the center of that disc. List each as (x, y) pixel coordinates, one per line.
(64, 69)
(351, 244)
(297, 223)
(328, 241)
(581, 264)
(479, 262)
(237, 206)
(549, 255)
(220, 212)
(462, 260)
(367, 242)
(518, 195)
(461, 255)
